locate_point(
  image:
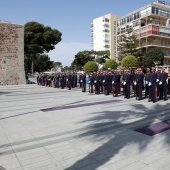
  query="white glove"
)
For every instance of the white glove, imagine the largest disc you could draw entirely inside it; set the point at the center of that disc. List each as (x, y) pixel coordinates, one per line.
(124, 83)
(103, 81)
(81, 80)
(95, 81)
(157, 80)
(89, 81)
(167, 81)
(146, 82)
(160, 82)
(149, 84)
(113, 82)
(135, 83)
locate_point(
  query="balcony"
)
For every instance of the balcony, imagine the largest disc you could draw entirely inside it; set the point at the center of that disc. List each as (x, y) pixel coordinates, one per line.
(106, 25)
(152, 30)
(106, 41)
(155, 43)
(106, 46)
(106, 30)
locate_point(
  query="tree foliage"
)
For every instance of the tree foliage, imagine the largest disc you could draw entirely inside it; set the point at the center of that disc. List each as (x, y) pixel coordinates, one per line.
(110, 64)
(128, 45)
(39, 39)
(82, 57)
(156, 55)
(41, 63)
(90, 66)
(129, 61)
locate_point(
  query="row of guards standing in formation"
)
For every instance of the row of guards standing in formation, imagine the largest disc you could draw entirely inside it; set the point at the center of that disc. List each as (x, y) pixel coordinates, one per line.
(153, 83)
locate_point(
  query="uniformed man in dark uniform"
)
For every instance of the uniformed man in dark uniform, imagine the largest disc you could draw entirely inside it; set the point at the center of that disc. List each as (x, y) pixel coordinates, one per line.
(83, 81)
(96, 83)
(116, 83)
(91, 82)
(126, 82)
(152, 83)
(138, 81)
(69, 81)
(163, 85)
(147, 78)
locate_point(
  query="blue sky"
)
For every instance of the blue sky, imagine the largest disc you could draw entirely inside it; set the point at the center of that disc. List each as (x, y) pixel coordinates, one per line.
(71, 17)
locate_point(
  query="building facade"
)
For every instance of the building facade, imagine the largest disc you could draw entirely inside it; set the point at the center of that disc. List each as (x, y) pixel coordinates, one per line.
(11, 54)
(151, 25)
(104, 34)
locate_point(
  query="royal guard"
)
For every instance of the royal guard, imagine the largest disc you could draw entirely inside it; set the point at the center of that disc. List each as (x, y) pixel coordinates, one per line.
(75, 80)
(96, 83)
(91, 83)
(147, 79)
(106, 83)
(69, 81)
(163, 85)
(138, 82)
(80, 80)
(134, 84)
(116, 83)
(152, 85)
(58, 80)
(83, 81)
(168, 81)
(126, 83)
(62, 80)
(101, 82)
(158, 80)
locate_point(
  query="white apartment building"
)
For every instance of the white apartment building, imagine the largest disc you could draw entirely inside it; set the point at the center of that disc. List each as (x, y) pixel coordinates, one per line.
(151, 25)
(104, 34)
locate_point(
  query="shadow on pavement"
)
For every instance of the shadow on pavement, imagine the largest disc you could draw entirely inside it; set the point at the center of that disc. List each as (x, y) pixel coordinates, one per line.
(121, 138)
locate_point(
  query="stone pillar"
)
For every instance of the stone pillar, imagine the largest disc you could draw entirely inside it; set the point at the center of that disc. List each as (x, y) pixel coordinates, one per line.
(11, 54)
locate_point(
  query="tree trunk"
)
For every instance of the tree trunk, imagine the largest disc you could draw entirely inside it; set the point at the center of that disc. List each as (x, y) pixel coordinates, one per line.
(32, 65)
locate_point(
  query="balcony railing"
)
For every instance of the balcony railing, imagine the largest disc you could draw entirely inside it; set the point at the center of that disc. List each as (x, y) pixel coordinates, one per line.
(156, 43)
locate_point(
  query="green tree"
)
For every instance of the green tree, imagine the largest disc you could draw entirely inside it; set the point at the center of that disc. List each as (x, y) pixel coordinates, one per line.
(42, 63)
(39, 39)
(128, 45)
(129, 61)
(65, 69)
(82, 57)
(154, 56)
(90, 66)
(57, 65)
(110, 64)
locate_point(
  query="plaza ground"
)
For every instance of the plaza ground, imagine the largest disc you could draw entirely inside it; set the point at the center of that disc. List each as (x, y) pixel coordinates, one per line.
(44, 128)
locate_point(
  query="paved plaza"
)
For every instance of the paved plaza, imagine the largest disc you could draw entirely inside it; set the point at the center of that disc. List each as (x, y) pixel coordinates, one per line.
(44, 128)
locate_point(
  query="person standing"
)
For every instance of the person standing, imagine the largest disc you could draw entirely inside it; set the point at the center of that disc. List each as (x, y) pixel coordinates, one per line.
(138, 81)
(116, 83)
(126, 82)
(147, 78)
(152, 84)
(163, 85)
(83, 81)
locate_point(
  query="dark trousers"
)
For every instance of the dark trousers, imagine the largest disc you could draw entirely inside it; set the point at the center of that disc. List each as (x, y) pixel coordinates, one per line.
(153, 93)
(139, 91)
(127, 91)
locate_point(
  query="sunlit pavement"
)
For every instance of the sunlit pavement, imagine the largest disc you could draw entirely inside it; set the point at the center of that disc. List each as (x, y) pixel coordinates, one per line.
(44, 128)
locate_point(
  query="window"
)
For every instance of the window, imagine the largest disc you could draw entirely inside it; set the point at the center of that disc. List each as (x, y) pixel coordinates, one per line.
(153, 10)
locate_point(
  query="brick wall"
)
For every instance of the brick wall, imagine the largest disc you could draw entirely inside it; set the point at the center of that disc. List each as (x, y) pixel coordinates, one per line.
(11, 54)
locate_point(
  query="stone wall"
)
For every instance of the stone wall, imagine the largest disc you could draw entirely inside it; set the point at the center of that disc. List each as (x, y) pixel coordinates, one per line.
(11, 54)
